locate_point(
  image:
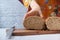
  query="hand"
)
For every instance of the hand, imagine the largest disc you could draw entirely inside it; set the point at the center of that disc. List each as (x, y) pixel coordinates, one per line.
(32, 13)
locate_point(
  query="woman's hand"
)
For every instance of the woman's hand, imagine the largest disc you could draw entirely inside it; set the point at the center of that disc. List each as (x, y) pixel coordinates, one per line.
(35, 10)
(32, 13)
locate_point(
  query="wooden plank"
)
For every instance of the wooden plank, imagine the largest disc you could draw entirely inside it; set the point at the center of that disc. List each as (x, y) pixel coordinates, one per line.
(19, 32)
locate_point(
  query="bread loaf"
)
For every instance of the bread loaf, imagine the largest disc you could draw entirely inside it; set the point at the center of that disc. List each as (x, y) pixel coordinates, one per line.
(53, 23)
(33, 22)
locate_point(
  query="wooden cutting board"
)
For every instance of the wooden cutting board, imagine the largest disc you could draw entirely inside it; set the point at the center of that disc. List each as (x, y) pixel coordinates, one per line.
(18, 32)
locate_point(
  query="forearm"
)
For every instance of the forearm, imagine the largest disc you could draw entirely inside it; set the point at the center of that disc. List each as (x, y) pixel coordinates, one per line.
(34, 6)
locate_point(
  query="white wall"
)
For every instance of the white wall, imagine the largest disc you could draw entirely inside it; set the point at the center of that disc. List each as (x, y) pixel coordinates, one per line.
(11, 13)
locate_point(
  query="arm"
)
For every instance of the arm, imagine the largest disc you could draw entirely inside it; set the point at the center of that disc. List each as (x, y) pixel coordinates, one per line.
(34, 6)
(35, 10)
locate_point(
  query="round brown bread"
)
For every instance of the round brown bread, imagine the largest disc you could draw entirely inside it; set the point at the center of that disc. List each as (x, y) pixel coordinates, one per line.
(53, 23)
(33, 22)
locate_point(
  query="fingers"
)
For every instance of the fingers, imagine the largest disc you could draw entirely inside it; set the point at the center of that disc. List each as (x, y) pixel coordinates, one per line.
(32, 13)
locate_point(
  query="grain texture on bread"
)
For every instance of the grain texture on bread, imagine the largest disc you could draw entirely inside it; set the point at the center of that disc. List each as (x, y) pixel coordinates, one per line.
(33, 22)
(53, 23)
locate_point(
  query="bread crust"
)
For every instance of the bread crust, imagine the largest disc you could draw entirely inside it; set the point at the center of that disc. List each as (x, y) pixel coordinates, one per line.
(53, 23)
(33, 22)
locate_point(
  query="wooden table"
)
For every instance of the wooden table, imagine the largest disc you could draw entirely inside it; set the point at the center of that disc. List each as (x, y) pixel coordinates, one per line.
(18, 32)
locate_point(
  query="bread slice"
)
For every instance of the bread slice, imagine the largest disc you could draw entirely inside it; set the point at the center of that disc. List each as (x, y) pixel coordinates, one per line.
(33, 22)
(53, 23)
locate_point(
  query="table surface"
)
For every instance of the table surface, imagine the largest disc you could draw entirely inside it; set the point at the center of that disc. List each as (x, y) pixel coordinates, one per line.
(51, 36)
(37, 37)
